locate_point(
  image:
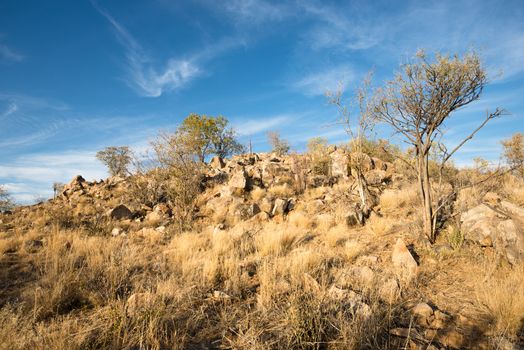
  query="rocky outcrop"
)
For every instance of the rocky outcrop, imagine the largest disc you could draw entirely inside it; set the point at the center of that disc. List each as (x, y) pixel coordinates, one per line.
(500, 226)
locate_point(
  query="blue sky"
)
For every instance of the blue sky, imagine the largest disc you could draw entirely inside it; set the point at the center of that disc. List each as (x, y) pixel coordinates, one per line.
(77, 76)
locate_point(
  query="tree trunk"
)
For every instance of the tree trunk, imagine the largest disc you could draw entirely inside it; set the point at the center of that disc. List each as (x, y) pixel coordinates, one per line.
(425, 195)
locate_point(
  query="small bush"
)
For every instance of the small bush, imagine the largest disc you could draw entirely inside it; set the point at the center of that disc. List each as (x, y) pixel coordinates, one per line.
(455, 237)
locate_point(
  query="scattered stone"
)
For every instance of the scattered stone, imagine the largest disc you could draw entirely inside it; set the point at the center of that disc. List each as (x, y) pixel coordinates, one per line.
(161, 229)
(452, 339)
(422, 313)
(116, 231)
(440, 321)
(352, 300)
(403, 260)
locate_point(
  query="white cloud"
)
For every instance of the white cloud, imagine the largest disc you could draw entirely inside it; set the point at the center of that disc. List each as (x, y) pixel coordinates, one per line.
(144, 77)
(255, 126)
(150, 81)
(341, 28)
(329, 80)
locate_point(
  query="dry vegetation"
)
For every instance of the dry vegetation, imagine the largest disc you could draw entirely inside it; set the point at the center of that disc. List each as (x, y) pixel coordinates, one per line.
(297, 283)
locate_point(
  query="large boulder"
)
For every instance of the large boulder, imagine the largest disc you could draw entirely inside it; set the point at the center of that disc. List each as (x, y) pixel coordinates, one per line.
(120, 212)
(339, 163)
(238, 180)
(500, 226)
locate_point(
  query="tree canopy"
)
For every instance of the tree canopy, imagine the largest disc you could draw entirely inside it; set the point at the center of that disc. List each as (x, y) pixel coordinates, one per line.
(204, 135)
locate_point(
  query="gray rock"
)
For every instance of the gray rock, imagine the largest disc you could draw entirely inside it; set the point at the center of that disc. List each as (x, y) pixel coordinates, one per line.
(280, 207)
(120, 212)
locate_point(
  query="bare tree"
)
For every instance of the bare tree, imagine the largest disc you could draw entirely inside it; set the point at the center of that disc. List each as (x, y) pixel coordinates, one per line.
(416, 104)
(358, 129)
(6, 202)
(116, 158)
(278, 145)
(57, 188)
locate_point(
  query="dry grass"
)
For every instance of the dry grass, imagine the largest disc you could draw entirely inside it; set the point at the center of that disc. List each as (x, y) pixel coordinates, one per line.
(392, 200)
(250, 286)
(514, 190)
(502, 298)
(257, 194)
(282, 191)
(380, 226)
(300, 220)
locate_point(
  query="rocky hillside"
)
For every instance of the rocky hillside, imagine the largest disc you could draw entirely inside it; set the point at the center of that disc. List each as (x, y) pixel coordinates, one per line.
(280, 254)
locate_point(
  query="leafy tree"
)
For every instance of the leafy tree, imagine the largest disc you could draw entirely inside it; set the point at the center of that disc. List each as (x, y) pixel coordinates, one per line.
(278, 145)
(116, 158)
(6, 202)
(205, 135)
(514, 153)
(416, 104)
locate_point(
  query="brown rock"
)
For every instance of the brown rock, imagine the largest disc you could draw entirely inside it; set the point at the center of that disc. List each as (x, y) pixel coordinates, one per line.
(403, 260)
(217, 163)
(238, 181)
(422, 313)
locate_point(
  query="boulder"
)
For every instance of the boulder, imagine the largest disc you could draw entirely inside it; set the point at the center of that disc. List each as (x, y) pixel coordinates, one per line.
(364, 160)
(217, 163)
(403, 260)
(339, 163)
(238, 180)
(280, 207)
(500, 226)
(120, 212)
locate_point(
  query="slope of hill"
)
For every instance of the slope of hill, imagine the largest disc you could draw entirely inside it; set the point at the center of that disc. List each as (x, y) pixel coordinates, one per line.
(279, 256)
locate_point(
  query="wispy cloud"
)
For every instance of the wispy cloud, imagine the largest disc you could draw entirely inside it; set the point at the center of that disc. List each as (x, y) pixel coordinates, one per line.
(256, 11)
(151, 81)
(341, 28)
(144, 77)
(8, 54)
(255, 126)
(319, 82)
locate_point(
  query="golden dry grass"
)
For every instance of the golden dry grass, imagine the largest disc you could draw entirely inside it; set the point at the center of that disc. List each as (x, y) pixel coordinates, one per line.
(394, 200)
(502, 298)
